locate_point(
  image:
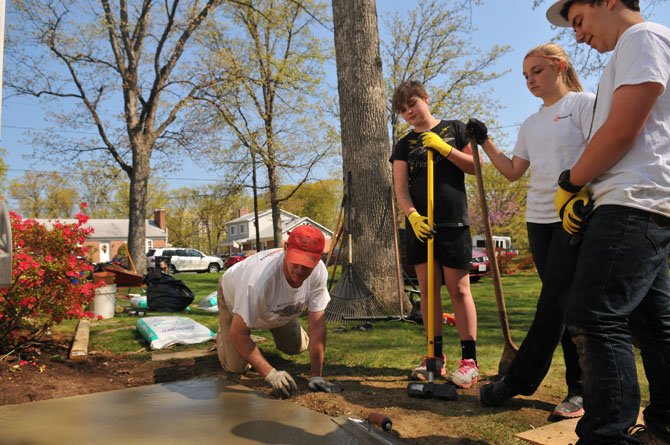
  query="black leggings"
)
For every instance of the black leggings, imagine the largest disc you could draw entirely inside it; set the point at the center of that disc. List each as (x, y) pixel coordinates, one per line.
(555, 259)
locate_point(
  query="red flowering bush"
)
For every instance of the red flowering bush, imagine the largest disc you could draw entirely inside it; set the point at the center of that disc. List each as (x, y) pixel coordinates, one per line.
(48, 280)
(526, 265)
(505, 261)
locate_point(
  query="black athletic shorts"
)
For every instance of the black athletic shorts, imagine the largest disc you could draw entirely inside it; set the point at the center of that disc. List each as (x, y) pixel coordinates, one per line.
(453, 247)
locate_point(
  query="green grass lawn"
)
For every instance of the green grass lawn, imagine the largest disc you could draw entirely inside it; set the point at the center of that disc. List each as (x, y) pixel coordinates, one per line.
(389, 348)
(401, 344)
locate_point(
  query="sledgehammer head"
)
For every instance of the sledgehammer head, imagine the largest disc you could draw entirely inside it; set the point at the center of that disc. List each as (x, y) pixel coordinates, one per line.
(430, 390)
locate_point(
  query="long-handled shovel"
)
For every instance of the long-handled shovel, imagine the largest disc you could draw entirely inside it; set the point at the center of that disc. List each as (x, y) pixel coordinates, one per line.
(429, 389)
(510, 349)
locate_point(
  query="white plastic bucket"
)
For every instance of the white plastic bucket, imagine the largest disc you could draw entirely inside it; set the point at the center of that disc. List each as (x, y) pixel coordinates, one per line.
(105, 301)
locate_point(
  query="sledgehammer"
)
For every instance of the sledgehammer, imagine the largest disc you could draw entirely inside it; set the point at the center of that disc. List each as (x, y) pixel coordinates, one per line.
(429, 389)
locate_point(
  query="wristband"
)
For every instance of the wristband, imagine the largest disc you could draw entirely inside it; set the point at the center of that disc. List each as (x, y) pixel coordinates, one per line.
(565, 184)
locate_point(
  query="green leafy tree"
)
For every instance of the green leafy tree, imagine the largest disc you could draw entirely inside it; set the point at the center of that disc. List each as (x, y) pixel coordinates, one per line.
(272, 103)
(44, 195)
(99, 183)
(213, 207)
(196, 217)
(319, 200)
(430, 44)
(118, 70)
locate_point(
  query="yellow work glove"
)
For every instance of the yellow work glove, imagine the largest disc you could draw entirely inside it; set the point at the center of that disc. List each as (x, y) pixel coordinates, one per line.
(432, 140)
(420, 226)
(573, 204)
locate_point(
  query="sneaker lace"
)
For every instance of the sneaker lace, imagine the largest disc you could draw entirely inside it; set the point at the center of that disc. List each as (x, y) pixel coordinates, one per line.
(466, 365)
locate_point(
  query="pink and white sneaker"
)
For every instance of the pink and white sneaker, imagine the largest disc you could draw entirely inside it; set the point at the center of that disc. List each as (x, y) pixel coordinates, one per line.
(466, 375)
(421, 373)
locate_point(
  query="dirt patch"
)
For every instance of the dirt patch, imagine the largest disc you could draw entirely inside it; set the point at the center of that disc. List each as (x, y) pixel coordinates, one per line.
(44, 373)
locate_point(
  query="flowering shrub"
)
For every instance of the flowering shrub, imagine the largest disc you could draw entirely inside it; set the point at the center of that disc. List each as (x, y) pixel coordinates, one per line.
(526, 265)
(48, 280)
(505, 262)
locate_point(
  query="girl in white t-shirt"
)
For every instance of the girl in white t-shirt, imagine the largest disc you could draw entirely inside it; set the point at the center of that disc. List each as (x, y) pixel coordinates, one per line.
(549, 141)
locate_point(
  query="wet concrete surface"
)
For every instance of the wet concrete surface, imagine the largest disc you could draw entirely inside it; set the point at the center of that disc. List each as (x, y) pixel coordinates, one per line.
(199, 411)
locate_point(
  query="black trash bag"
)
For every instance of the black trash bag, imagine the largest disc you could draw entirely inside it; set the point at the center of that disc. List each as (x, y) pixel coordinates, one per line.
(166, 294)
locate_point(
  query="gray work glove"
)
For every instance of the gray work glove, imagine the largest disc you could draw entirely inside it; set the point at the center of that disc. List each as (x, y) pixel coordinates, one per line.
(281, 382)
(318, 383)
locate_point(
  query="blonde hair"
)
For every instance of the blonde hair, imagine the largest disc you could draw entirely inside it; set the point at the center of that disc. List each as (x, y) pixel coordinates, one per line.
(554, 53)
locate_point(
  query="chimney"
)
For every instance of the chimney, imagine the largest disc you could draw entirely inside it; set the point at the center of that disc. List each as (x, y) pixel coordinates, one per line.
(160, 219)
(243, 211)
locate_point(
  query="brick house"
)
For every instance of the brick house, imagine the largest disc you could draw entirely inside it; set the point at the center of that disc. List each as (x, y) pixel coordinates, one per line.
(110, 234)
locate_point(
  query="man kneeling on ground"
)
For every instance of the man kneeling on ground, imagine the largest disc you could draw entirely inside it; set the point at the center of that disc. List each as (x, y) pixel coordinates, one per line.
(269, 290)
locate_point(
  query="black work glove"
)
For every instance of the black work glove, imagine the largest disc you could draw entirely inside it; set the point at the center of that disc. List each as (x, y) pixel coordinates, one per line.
(476, 129)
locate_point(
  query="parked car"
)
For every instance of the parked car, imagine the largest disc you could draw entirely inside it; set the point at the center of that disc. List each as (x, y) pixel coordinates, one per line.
(224, 257)
(235, 258)
(185, 260)
(480, 265)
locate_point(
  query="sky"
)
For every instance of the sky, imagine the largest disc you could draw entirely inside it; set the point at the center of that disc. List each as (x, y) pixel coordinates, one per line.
(511, 22)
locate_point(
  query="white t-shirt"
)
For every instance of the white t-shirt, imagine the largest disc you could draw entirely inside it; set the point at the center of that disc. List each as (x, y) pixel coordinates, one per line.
(641, 179)
(552, 140)
(256, 289)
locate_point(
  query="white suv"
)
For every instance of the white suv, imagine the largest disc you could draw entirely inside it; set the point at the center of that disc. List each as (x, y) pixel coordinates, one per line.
(185, 260)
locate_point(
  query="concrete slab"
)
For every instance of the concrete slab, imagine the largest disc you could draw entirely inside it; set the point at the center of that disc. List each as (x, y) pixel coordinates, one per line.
(203, 411)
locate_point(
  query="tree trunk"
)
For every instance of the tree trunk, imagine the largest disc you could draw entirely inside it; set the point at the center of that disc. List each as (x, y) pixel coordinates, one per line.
(139, 179)
(365, 145)
(274, 205)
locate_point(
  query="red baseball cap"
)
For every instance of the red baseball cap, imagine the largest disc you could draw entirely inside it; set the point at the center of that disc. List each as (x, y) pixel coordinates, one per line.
(305, 246)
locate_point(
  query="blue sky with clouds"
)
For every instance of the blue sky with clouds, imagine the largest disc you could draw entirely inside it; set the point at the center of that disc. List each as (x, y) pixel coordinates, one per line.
(511, 22)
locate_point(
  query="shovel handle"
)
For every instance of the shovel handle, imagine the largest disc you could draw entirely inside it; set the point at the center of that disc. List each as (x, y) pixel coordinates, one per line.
(497, 284)
(430, 180)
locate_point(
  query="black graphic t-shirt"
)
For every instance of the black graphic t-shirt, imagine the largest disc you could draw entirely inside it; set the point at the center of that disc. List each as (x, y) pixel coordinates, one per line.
(451, 205)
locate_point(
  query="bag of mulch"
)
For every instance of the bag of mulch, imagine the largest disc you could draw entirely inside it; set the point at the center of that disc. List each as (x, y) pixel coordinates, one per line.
(138, 301)
(209, 303)
(163, 332)
(167, 294)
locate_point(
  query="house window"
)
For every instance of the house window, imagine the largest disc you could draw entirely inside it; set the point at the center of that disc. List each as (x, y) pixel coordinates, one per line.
(232, 230)
(242, 228)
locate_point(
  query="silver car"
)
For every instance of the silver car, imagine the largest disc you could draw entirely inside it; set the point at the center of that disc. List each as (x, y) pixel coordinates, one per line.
(185, 260)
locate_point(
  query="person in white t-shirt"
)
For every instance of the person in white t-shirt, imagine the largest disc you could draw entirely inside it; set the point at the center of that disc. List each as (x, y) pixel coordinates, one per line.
(549, 141)
(270, 290)
(621, 291)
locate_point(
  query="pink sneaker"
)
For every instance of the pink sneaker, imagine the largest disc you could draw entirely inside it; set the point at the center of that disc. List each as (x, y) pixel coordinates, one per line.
(466, 375)
(420, 372)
